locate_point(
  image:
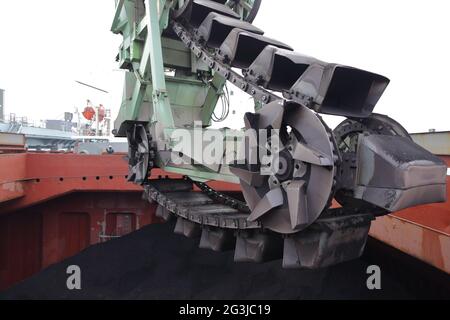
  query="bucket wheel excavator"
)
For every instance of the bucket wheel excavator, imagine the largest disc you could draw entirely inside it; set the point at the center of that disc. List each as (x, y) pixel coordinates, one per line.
(179, 56)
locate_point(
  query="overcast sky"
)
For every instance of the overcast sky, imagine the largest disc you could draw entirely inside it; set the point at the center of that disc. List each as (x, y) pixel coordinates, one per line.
(47, 45)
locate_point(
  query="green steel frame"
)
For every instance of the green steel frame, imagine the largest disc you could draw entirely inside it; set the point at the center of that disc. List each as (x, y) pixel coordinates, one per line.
(163, 81)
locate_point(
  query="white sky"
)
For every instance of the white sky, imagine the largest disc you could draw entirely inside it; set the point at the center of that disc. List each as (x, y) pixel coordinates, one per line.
(46, 45)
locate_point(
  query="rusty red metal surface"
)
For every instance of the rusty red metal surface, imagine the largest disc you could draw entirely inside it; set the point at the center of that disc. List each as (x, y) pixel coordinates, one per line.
(53, 206)
(20, 247)
(34, 238)
(422, 232)
(12, 143)
(31, 178)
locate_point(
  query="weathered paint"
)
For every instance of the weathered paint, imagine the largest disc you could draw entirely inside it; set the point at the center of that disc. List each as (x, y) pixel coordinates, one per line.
(20, 246)
(32, 178)
(12, 170)
(63, 203)
(429, 245)
(34, 238)
(422, 231)
(11, 142)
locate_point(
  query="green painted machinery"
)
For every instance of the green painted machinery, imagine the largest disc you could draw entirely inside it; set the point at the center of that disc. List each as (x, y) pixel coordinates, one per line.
(179, 56)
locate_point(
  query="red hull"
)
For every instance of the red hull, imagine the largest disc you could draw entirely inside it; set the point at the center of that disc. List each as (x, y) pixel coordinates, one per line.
(54, 205)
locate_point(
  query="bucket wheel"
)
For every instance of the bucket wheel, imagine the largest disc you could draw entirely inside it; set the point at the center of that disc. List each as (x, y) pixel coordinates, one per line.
(347, 136)
(139, 154)
(347, 132)
(289, 188)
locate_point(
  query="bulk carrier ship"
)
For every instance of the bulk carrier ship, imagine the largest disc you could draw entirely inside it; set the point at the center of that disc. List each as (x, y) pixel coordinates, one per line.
(57, 200)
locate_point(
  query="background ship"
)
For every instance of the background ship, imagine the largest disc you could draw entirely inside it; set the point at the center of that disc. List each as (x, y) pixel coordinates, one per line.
(91, 125)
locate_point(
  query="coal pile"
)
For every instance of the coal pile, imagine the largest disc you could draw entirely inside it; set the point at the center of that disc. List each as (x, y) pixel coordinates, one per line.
(154, 263)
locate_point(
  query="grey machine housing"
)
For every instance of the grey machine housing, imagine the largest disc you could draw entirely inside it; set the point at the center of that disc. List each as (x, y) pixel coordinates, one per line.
(395, 173)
